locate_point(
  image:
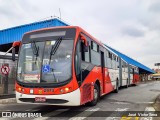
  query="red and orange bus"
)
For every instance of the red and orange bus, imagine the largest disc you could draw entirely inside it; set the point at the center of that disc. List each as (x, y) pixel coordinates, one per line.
(67, 66)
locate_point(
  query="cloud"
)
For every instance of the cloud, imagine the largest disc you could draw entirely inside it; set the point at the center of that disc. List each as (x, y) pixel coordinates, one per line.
(155, 7)
(5, 12)
(131, 27)
(150, 17)
(133, 32)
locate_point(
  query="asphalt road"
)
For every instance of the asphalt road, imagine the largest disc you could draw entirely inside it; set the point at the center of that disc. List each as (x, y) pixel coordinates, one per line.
(134, 98)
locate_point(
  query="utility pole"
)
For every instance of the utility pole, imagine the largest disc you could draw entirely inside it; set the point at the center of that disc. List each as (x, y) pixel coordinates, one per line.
(60, 13)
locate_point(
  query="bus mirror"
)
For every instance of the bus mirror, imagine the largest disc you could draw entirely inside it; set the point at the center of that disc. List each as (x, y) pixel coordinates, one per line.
(85, 48)
(84, 42)
(13, 54)
(84, 39)
(16, 43)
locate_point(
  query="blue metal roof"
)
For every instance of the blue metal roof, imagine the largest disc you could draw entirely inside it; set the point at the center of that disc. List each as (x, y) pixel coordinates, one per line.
(15, 33)
(131, 61)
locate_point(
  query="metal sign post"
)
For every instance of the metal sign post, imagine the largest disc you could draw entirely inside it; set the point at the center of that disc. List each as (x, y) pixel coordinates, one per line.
(5, 71)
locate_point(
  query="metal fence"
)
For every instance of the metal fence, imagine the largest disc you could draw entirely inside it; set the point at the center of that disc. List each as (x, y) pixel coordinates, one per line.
(11, 77)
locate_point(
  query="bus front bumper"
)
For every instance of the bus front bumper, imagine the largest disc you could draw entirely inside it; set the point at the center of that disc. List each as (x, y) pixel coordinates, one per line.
(68, 99)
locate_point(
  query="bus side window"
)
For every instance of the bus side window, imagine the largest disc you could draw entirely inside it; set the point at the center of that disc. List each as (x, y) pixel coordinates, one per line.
(126, 68)
(78, 62)
(109, 59)
(82, 52)
(105, 58)
(123, 66)
(94, 46)
(117, 64)
(95, 54)
(113, 62)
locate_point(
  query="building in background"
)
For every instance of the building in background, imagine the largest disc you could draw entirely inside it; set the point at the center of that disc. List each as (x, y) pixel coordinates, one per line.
(156, 76)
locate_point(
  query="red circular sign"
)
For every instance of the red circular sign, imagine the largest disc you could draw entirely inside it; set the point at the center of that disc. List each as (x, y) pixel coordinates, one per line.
(5, 69)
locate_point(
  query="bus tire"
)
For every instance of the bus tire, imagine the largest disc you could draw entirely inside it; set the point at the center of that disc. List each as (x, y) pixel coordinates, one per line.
(95, 96)
(117, 87)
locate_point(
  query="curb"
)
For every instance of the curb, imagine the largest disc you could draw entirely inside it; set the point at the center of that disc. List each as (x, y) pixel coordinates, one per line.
(7, 101)
(156, 105)
(6, 96)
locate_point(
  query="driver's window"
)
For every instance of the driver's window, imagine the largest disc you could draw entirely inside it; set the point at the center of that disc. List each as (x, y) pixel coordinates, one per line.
(78, 62)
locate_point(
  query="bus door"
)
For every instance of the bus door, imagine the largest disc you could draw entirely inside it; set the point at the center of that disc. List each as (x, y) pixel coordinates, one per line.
(103, 70)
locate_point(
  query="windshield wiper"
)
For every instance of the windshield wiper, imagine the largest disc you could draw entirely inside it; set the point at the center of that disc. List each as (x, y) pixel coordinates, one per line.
(54, 48)
(53, 51)
(35, 50)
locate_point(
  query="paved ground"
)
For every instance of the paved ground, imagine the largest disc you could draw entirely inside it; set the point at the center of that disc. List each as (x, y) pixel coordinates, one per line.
(138, 98)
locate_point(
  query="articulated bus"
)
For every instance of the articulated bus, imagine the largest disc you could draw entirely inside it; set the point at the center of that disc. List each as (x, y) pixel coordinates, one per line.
(67, 66)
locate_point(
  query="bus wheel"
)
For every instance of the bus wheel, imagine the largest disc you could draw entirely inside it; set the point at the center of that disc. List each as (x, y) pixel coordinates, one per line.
(117, 87)
(95, 96)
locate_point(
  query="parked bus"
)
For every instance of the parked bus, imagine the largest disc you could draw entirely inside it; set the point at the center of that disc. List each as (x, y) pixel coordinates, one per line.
(66, 66)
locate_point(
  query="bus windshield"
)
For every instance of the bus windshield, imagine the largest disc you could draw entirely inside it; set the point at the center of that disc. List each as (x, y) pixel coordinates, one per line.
(47, 61)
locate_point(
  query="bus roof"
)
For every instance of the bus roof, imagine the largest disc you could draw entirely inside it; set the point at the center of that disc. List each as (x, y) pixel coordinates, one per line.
(79, 29)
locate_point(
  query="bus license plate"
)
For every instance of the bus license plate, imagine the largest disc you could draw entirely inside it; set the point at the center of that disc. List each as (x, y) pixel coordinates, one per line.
(40, 99)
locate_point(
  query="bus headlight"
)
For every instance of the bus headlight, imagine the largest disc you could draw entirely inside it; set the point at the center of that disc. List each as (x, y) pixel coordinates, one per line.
(66, 89)
(19, 89)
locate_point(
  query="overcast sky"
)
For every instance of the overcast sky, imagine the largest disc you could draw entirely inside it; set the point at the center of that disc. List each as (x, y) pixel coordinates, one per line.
(130, 26)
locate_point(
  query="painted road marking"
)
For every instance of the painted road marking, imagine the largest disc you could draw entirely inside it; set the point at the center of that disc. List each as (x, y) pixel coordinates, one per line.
(84, 113)
(29, 110)
(116, 113)
(144, 102)
(149, 109)
(120, 103)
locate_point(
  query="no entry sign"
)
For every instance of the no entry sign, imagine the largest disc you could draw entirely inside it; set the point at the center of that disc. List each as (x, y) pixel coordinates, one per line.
(5, 69)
